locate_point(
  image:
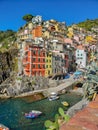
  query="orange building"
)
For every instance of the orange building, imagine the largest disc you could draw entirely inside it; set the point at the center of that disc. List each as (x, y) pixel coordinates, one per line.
(37, 31)
(34, 61)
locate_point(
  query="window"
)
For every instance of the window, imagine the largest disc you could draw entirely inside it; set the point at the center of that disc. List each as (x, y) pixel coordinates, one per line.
(43, 53)
(33, 66)
(34, 52)
(39, 52)
(47, 55)
(48, 71)
(56, 58)
(33, 59)
(43, 60)
(39, 66)
(62, 60)
(38, 59)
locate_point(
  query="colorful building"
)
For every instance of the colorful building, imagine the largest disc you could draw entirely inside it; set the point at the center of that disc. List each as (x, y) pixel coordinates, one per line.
(34, 60)
(37, 31)
(81, 55)
(48, 64)
(58, 62)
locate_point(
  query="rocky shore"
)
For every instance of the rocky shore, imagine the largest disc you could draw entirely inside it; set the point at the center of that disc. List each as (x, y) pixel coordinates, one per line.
(25, 86)
(19, 86)
(77, 107)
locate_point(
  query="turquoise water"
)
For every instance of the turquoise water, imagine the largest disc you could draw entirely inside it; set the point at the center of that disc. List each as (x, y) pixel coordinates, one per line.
(12, 111)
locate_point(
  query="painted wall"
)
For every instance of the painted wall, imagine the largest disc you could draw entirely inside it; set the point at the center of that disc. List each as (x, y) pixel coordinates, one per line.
(34, 62)
(37, 31)
(81, 57)
(48, 64)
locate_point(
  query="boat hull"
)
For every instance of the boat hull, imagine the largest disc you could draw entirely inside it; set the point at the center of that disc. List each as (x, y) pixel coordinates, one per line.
(33, 114)
(65, 103)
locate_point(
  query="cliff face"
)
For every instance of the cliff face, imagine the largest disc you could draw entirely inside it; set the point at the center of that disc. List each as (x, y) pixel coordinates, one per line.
(8, 63)
(8, 53)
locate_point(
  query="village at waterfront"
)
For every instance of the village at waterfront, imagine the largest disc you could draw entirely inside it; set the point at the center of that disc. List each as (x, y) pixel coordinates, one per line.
(45, 57)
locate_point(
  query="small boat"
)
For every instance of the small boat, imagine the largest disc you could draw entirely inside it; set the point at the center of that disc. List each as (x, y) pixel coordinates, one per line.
(53, 96)
(65, 103)
(3, 127)
(33, 114)
(36, 112)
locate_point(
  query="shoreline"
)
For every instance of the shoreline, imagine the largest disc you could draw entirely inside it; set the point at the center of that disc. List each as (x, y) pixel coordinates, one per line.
(67, 85)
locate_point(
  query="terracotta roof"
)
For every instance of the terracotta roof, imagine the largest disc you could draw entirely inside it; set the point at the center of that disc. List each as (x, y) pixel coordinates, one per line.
(68, 40)
(80, 47)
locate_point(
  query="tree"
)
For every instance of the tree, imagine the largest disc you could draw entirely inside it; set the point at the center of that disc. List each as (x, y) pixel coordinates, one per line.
(27, 17)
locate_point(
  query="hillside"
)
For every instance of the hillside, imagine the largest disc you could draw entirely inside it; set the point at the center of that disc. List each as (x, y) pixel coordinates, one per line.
(88, 24)
(8, 53)
(7, 39)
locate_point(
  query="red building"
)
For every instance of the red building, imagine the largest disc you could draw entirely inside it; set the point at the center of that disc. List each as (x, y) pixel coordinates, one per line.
(66, 61)
(34, 60)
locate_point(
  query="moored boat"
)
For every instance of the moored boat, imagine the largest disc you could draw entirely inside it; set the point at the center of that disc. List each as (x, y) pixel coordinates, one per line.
(65, 103)
(33, 114)
(36, 112)
(53, 96)
(3, 127)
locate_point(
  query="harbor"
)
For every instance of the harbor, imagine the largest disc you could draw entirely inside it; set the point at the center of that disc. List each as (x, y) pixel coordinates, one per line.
(13, 111)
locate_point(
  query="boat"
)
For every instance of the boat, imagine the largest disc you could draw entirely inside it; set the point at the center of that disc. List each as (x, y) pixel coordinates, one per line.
(3, 127)
(65, 103)
(33, 114)
(36, 112)
(53, 96)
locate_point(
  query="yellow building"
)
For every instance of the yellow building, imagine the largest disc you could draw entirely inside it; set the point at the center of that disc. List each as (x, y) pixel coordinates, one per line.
(48, 64)
(89, 39)
(56, 27)
(70, 32)
(92, 55)
(46, 34)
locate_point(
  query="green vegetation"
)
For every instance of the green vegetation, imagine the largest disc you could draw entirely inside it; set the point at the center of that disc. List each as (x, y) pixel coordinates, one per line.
(59, 119)
(63, 115)
(19, 78)
(27, 17)
(6, 39)
(8, 52)
(88, 24)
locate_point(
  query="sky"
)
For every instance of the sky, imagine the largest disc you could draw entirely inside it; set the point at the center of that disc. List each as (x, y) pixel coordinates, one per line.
(69, 11)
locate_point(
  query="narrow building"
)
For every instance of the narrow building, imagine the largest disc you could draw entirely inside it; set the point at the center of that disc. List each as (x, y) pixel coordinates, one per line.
(48, 64)
(34, 60)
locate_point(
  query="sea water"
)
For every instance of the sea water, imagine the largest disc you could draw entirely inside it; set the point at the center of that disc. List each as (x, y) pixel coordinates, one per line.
(12, 111)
